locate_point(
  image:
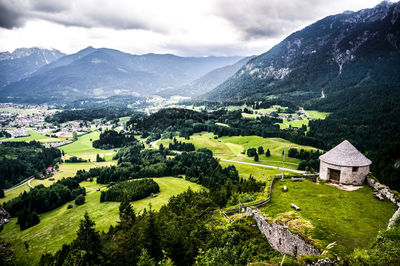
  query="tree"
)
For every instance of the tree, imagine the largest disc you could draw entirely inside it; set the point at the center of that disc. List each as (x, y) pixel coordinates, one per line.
(256, 157)
(88, 240)
(74, 136)
(80, 200)
(260, 150)
(126, 213)
(267, 153)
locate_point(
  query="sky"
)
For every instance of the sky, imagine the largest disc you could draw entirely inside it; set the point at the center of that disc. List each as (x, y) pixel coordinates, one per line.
(180, 27)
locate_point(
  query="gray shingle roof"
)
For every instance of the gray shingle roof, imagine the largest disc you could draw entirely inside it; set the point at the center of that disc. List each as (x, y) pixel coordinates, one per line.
(345, 154)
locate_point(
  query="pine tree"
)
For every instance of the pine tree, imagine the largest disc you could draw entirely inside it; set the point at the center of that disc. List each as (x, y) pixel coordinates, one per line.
(126, 213)
(268, 154)
(260, 150)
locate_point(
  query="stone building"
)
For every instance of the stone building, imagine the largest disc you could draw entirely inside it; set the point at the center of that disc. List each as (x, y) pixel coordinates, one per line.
(344, 164)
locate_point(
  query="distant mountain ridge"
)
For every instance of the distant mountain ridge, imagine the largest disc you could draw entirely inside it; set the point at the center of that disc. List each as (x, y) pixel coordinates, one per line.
(210, 80)
(106, 72)
(337, 53)
(23, 62)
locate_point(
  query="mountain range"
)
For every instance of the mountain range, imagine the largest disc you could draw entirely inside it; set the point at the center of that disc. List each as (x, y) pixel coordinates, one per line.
(106, 72)
(335, 54)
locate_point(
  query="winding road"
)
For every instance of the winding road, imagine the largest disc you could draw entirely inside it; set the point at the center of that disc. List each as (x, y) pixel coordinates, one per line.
(26, 181)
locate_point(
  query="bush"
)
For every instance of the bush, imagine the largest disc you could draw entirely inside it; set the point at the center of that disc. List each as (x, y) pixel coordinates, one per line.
(80, 200)
(69, 206)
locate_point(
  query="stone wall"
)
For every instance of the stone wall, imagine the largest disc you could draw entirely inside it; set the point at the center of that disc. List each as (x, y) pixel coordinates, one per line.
(385, 192)
(347, 176)
(281, 238)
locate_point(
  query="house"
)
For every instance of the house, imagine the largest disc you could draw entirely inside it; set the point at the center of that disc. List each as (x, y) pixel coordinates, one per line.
(344, 164)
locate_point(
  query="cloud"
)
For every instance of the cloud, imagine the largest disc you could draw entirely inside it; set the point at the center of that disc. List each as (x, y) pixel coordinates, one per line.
(275, 18)
(182, 27)
(9, 18)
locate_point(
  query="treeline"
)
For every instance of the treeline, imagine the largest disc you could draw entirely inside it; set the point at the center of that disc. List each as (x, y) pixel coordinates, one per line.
(4, 134)
(181, 233)
(75, 159)
(19, 160)
(199, 167)
(131, 190)
(110, 139)
(107, 113)
(182, 122)
(309, 159)
(181, 146)
(41, 199)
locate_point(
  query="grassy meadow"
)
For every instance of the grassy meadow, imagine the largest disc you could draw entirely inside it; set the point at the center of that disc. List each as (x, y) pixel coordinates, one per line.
(38, 137)
(83, 148)
(59, 226)
(230, 148)
(328, 214)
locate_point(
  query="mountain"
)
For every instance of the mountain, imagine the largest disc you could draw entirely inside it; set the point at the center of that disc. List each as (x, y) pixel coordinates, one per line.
(335, 54)
(209, 81)
(106, 72)
(23, 62)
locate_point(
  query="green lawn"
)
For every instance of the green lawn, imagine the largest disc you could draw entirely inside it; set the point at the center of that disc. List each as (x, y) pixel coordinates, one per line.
(259, 173)
(83, 148)
(38, 137)
(351, 218)
(59, 226)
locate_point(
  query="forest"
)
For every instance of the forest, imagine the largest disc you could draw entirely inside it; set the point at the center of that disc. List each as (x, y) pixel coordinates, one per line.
(41, 199)
(132, 190)
(20, 160)
(107, 113)
(110, 139)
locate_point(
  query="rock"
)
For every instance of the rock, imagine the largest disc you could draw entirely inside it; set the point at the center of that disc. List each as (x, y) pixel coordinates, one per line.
(4, 217)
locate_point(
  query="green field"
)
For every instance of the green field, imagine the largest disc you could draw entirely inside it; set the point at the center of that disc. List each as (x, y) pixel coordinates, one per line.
(316, 114)
(83, 148)
(230, 148)
(14, 193)
(59, 226)
(23, 111)
(38, 137)
(351, 218)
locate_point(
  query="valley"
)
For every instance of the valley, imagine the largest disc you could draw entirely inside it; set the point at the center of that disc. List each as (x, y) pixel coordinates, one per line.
(217, 135)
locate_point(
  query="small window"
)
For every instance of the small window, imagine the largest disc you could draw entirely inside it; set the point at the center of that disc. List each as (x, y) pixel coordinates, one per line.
(355, 169)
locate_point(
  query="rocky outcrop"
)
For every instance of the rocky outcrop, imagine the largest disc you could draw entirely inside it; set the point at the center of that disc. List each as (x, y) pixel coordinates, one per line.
(281, 238)
(391, 195)
(4, 217)
(383, 190)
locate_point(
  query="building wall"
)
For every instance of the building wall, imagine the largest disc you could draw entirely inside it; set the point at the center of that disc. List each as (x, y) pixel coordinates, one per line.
(347, 176)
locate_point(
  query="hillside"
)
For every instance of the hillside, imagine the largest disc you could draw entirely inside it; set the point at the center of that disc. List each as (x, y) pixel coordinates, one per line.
(23, 62)
(106, 72)
(335, 54)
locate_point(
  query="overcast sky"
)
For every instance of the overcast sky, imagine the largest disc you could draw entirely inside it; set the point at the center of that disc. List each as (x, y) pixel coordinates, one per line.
(181, 27)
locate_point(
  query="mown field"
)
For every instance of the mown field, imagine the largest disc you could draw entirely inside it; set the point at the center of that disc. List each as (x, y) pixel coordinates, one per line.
(59, 226)
(83, 148)
(230, 148)
(38, 137)
(328, 214)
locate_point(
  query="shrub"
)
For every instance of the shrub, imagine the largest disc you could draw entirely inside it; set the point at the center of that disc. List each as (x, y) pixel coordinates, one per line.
(69, 206)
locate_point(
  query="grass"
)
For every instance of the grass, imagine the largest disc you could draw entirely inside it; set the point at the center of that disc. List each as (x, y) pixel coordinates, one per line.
(83, 148)
(14, 193)
(231, 147)
(293, 123)
(316, 114)
(351, 218)
(24, 111)
(59, 226)
(69, 170)
(38, 137)
(259, 173)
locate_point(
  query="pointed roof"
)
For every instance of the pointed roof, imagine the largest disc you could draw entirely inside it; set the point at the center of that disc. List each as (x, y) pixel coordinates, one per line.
(345, 154)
